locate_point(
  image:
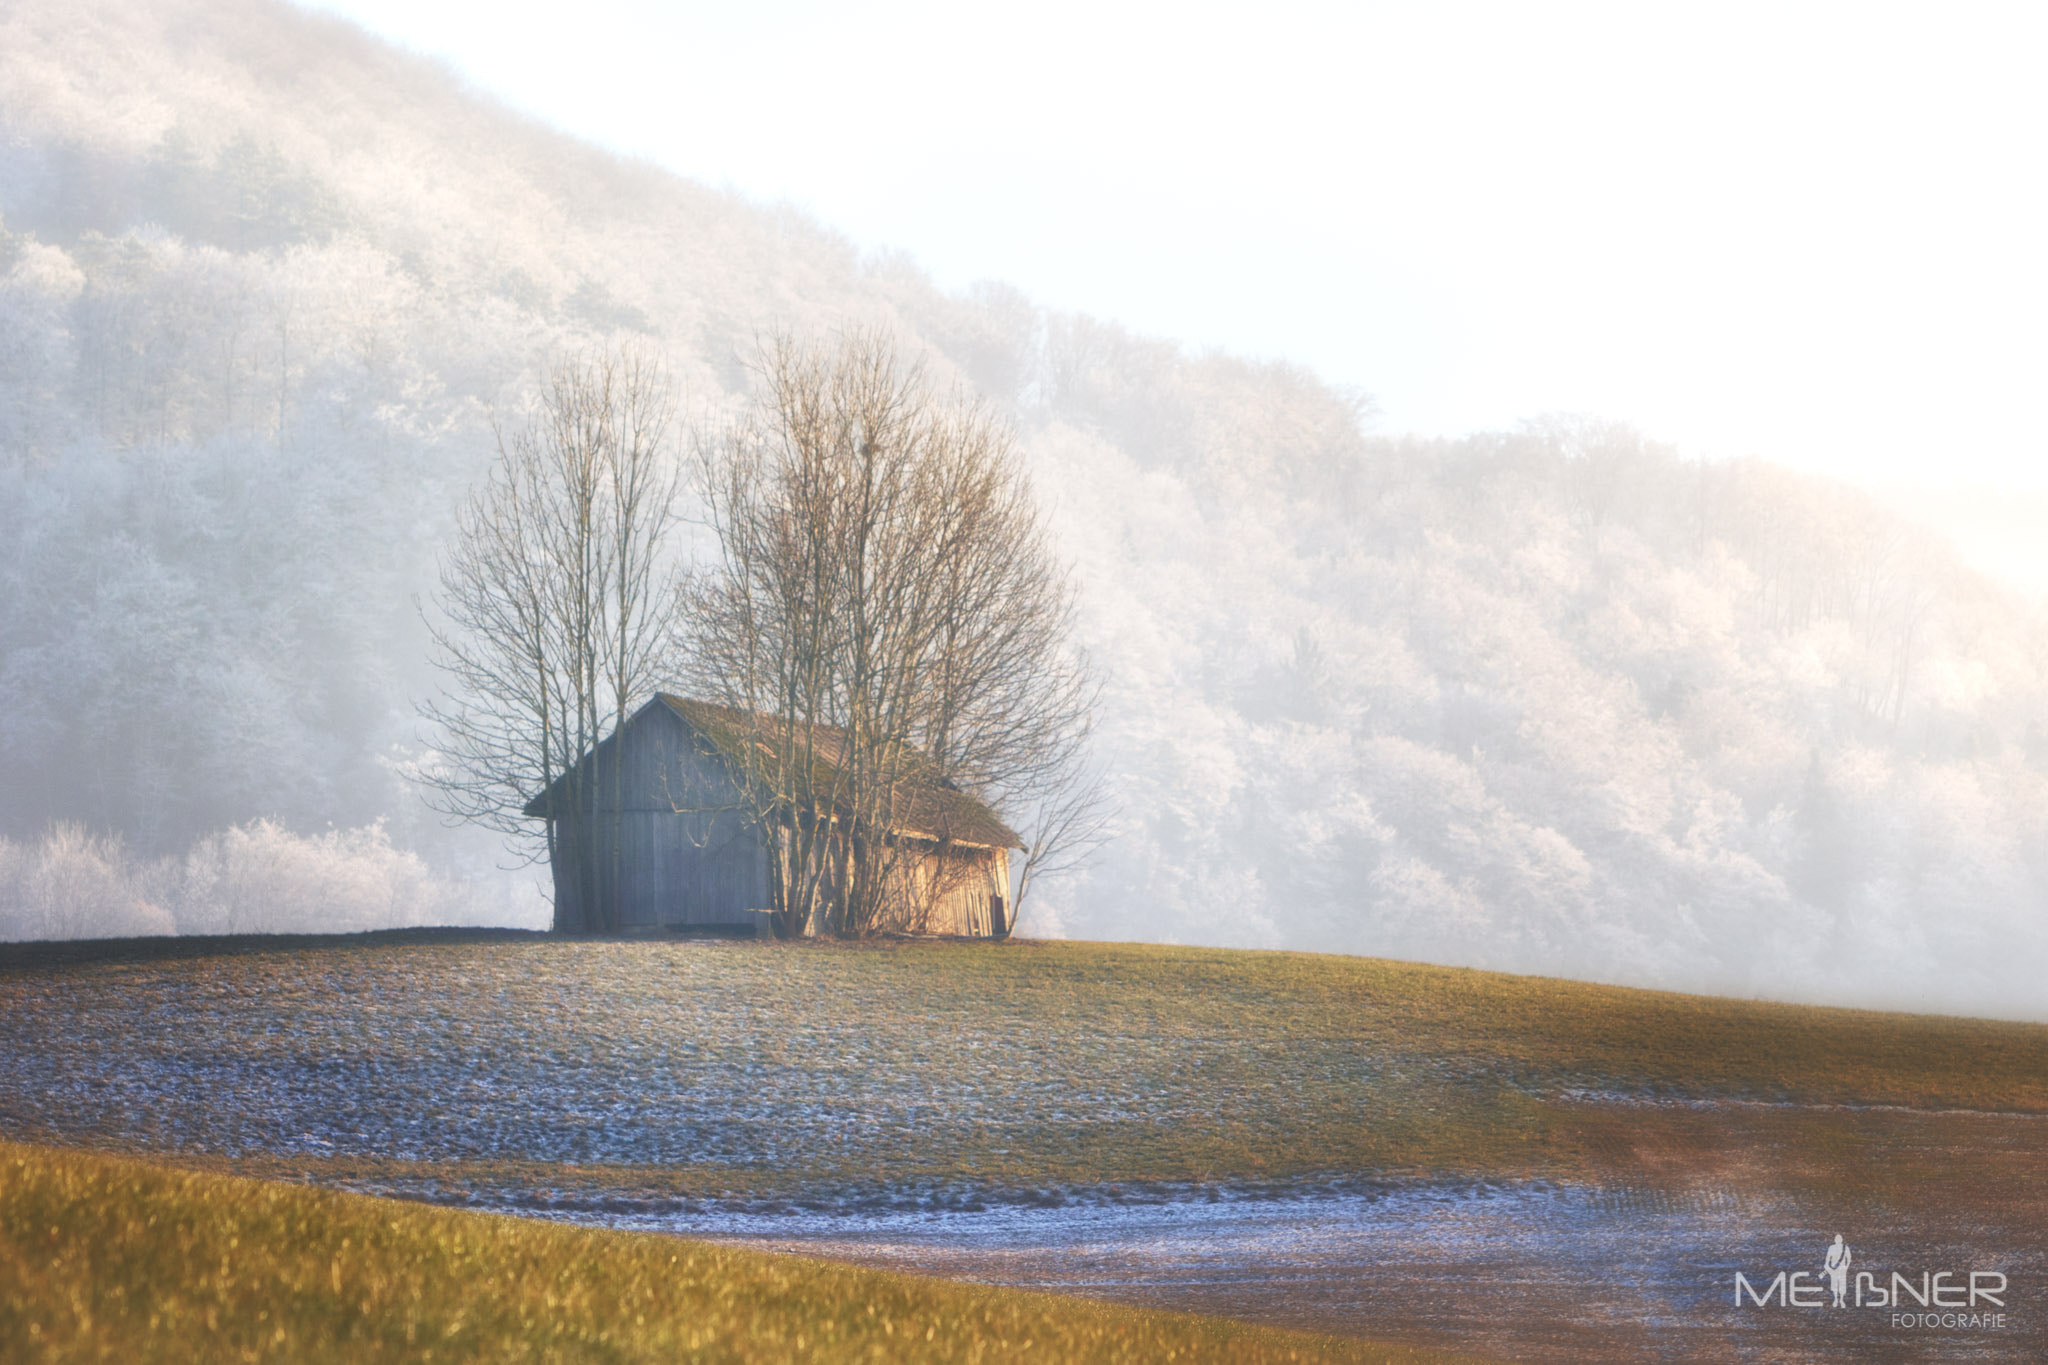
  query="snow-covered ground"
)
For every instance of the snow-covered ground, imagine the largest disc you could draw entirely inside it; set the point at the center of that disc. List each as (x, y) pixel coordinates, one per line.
(1534, 1271)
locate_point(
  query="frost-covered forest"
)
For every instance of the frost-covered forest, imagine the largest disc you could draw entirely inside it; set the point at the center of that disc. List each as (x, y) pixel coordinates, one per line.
(1552, 699)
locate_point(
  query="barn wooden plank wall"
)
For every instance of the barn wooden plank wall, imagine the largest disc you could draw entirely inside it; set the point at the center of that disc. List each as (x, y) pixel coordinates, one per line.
(690, 855)
(954, 892)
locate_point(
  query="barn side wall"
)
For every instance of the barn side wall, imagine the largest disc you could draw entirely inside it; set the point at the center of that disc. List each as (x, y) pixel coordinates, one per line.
(951, 890)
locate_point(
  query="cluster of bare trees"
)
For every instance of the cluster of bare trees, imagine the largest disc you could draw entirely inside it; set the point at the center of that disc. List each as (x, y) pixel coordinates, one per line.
(882, 613)
(554, 619)
(885, 589)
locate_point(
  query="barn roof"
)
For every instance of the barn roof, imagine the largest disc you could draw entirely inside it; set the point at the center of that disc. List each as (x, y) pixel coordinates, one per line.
(932, 809)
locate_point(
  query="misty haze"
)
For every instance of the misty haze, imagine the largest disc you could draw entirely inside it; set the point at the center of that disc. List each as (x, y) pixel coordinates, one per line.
(1550, 699)
(1420, 733)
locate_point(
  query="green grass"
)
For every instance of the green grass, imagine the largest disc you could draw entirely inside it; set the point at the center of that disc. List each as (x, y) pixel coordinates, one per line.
(610, 1070)
(103, 1258)
(762, 1069)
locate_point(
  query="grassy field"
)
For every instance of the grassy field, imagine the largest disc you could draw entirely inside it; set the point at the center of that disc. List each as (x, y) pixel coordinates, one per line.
(746, 1070)
(664, 1082)
(103, 1258)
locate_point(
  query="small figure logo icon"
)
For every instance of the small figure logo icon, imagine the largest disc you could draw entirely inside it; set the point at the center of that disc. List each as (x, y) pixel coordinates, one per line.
(1837, 1266)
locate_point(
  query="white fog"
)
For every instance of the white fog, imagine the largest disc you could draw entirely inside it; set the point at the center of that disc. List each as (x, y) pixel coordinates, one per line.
(1563, 695)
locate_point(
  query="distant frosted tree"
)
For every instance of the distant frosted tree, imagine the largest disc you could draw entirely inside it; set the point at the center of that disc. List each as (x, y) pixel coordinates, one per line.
(1823, 869)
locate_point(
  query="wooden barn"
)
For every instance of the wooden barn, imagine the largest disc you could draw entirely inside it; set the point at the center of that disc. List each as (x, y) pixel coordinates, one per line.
(692, 853)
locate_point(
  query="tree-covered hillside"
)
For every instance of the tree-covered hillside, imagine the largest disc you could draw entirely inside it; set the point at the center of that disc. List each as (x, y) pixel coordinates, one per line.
(1550, 700)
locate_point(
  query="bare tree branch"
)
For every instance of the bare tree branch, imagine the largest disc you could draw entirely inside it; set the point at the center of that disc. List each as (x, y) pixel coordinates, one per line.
(885, 598)
(554, 612)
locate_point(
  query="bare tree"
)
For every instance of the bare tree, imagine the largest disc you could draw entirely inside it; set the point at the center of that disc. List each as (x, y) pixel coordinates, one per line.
(1068, 816)
(553, 613)
(886, 607)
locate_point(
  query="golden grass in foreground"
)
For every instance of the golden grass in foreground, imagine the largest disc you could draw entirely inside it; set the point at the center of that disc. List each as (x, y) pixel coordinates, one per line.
(103, 1258)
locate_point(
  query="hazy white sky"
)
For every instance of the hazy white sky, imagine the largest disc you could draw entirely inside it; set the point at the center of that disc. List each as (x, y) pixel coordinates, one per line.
(1809, 232)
